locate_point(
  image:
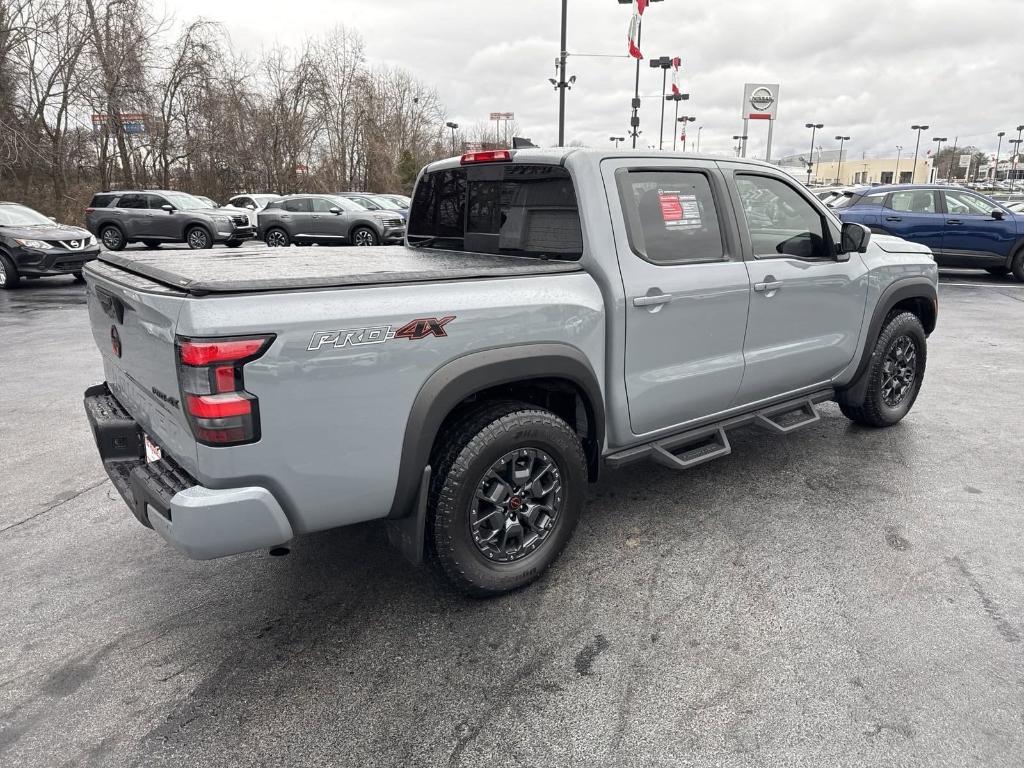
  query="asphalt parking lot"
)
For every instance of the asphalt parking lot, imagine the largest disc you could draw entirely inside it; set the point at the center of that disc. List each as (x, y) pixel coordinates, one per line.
(837, 597)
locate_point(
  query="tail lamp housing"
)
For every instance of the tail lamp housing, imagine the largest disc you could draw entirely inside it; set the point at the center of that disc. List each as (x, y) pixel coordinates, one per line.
(210, 373)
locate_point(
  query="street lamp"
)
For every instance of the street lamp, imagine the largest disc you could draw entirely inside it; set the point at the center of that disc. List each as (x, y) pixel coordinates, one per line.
(665, 63)
(616, 139)
(634, 121)
(938, 148)
(677, 97)
(839, 171)
(699, 129)
(739, 145)
(684, 120)
(454, 127)
(999, 146)
(810, 161)
(917, 146)
(896, 175)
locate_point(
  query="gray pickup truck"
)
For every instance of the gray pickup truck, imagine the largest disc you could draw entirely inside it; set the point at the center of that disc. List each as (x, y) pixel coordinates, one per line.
(553, 312)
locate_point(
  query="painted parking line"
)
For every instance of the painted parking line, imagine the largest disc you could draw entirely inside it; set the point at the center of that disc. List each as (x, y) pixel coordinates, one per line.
(981, 285)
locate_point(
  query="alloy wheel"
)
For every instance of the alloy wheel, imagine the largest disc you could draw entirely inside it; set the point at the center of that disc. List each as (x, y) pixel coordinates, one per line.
(516, 505)
(899, 371)
(364, 237)
(277, 239)
(197, 238)
(111, 238)
(3, 274)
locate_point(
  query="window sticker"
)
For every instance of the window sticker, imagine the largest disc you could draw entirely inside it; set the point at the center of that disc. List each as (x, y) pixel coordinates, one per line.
(679, 210)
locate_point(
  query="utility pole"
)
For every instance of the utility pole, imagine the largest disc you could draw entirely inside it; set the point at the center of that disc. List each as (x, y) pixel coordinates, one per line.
(839, 171)
(676, 97)
(917, 146)
(454, 127)
(938, 148)
(682, 120)
(810, 157)
(562, 85)
(896, 175)
(999, 146)
(664, 62)
(699, 129)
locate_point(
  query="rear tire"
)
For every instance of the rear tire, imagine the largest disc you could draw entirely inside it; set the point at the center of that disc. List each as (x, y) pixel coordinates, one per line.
(895, 374)
(277, 238)
(198, 239)
(1018, 265)
(488, 548)
(9, 277)
(364, 236)
(113, 238)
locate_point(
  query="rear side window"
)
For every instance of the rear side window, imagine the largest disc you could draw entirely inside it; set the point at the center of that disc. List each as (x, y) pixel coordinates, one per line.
(132, 201)
(514, 209)
(298, 205)
(913, 201)
(671, 216)
(101, 201)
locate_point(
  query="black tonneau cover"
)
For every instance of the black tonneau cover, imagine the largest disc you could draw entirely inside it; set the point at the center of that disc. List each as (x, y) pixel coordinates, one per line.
(258, 268)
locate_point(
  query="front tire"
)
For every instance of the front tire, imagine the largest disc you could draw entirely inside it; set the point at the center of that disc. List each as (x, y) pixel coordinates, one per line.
(895, 374)
(364, 236)
(113, 238)
(506, 495)
(1018, 265)
(198, 239)
(9, 277)
(277, 238)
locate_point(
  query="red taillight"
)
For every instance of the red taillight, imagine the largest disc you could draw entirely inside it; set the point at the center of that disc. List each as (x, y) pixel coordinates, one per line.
(219, 409)
(89, 210)
(490, 156)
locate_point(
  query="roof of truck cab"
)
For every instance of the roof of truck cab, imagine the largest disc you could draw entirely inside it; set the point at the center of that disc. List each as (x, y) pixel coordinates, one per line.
(557, 155)
(257, 269)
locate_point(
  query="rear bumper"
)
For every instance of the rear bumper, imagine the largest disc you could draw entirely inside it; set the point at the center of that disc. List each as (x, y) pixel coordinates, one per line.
(201, 523)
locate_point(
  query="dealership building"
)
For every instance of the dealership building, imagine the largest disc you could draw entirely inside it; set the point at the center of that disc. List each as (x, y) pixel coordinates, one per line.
(827, 169)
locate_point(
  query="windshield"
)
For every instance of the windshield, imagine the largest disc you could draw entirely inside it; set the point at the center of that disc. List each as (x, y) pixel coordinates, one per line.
(385, 202)
(207, 202)
(20, 216)
(347, 205)
(845, 200)
(185, 202)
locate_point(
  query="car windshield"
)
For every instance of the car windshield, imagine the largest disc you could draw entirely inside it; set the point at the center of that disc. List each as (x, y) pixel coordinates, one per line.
(20, 216)
(386, 202)
(207, 202)
(185, 202)
(347, 205)
(846, 200)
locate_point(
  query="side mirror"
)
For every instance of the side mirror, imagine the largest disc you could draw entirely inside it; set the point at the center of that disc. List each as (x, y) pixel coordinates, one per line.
(855, 238)
(52, 218)
(336, 211)
(167, 207)
(998, 214)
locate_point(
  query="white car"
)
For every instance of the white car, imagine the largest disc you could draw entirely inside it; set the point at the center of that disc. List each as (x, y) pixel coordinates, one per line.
(252, 204)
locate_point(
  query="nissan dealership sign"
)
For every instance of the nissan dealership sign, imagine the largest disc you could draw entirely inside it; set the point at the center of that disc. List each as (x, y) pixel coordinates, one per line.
(760, 101)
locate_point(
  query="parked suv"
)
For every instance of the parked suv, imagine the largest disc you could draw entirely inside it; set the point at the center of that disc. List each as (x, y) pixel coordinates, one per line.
(253, 204)
(963, 228)
(32, 245)
(377, 203)
(327, 220)
(152, 217)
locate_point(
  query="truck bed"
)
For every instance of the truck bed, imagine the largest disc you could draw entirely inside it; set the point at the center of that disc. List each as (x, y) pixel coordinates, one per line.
(249, 269)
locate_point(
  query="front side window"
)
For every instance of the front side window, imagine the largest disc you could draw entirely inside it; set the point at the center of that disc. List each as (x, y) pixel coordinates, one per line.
(514, 209)
(966, 204)
(781, 222)
(671, 216)
(913, 201)
(156, 202)
(132, 201)
(322, 205)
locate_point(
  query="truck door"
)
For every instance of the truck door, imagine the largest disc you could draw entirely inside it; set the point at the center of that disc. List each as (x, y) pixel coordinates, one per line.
(806, 305)
(686, 290)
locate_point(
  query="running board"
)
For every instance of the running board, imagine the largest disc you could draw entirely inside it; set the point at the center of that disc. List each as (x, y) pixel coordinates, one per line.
(691, 454)
(786, 419)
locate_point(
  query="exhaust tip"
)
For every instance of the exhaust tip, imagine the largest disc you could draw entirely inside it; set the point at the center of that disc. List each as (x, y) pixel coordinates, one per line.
(279, 551)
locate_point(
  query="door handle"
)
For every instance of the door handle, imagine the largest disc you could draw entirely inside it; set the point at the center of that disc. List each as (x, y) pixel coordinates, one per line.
(768, 287)
(894, 218)
(652, 301)
(953, 221)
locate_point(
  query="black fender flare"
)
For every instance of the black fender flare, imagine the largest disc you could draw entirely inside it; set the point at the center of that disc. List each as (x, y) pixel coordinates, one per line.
(905, 288)
(453, 382)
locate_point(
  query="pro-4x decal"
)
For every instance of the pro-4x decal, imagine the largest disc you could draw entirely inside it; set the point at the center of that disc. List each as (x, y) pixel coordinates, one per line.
(414, 330)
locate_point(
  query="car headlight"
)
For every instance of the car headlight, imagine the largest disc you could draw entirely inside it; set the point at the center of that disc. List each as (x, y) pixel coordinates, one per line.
(42, 245)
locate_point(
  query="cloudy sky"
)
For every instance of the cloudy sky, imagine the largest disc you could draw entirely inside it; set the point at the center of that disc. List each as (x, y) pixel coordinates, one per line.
(867, 69)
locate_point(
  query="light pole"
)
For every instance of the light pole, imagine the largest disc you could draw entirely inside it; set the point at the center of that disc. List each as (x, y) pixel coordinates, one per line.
(938, 148)
(839, 171)
(677, 97)
(896, 175)
(665, 63)
(739, 145)
(616, 139)
(634, 120)
(810, 157)
(999, 146)
(1016, 156)
(454, 127)
(684, 120)
(917, 146)
(561, 85)
(699, 129)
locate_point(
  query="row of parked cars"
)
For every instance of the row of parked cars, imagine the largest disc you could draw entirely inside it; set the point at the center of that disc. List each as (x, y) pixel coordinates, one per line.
(33, 245)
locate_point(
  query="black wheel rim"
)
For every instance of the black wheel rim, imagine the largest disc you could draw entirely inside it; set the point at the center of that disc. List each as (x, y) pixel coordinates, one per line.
(276, 240)
(899, 371)
(197, 238)
(111, 238)
(516, 505)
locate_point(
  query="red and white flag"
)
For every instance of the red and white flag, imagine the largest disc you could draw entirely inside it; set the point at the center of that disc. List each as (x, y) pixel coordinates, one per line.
(641, 6)
(676, 63)
(634, 31)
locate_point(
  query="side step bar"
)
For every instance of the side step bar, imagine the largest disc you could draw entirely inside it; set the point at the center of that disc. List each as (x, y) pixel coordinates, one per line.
(699, 445)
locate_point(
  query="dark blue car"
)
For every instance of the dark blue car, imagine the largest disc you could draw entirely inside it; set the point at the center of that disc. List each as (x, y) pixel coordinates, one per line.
(963, 228)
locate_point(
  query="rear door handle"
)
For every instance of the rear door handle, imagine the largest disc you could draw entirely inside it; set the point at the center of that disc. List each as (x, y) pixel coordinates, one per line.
(651, 301)
(894, 218)
(953, 221)
(767, 287)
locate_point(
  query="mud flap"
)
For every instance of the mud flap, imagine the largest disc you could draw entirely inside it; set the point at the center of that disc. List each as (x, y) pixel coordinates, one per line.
(408, 534)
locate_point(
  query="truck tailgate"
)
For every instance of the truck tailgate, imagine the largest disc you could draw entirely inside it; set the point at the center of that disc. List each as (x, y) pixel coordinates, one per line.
(133, 323)
(258, 268)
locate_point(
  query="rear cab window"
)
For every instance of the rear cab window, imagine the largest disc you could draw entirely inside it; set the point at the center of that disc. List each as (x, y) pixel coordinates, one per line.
(515, 209)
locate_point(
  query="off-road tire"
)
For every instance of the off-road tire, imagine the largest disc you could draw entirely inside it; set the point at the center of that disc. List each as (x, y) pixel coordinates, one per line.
(872, 410)
(113, 238)
(198, 238)
(1017, 266)
(465, 452)
(10, 277)
(151, 244)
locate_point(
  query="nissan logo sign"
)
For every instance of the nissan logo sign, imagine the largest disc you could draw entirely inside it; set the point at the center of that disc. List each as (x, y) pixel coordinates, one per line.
(761, 99)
